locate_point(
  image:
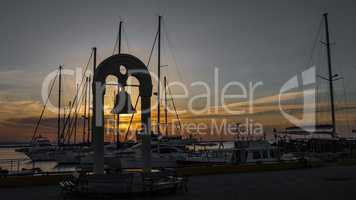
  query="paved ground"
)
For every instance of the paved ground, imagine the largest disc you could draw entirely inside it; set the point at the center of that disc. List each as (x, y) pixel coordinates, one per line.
(320, 183)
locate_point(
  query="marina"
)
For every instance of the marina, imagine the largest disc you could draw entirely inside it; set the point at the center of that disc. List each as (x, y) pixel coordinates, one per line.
(296, 184)
(122, 129)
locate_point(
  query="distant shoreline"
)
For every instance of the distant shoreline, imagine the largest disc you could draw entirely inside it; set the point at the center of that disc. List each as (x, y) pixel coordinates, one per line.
(13, 145)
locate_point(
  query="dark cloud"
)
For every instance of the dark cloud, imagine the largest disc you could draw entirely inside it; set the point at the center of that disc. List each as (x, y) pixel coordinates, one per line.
(268, 41)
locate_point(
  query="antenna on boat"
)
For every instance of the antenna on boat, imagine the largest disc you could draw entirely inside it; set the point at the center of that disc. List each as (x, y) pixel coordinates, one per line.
(331, 75)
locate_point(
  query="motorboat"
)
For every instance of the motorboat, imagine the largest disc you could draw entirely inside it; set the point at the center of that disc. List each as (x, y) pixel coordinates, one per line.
(41, 149)
(162, 156)
(243, 152)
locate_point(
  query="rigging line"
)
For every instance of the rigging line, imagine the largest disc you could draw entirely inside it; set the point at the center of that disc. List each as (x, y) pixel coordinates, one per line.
(153, 46)
(327, 96)
(76, 110)
(175, 110)
(43, 109)
(82, 80)
(346, 105)
(76, 95)
(315, 43)
(321, 95)
(69, 117)
(72, 129)
(84, 73)
(132, 116)
(170, 47)
(317, 103)
(69, 131)
(80, 100)
(71, 121)
(126, 38)
(117, 38)
(115, 43)
(66, 134)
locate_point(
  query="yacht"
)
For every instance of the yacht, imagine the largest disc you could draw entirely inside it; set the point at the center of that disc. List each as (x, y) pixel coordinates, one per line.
(70, 154)
(41, 149)
(162, 155)
(243, 152)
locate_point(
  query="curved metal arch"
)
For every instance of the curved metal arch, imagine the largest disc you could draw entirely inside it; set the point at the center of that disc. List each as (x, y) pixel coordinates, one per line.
(111, 66)
(135, 67)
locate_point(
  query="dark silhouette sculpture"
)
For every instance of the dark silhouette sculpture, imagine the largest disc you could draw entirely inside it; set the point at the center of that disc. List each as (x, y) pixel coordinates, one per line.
(111, 66)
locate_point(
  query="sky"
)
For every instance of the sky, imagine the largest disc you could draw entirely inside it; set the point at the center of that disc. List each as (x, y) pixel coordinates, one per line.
(246, 41)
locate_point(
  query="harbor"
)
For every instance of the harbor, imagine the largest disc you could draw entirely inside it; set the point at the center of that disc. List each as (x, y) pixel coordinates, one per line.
(296, 184)
(151, 114)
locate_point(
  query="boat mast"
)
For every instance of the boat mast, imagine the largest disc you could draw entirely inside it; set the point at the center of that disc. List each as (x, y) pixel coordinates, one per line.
(159, 75)
(118, 90)
(120, 28)
(64, 118)
(76, 119)
(59, 106)
(88, 90)
(165, 105)
(94, 95)
(85, 109)
(331, 76)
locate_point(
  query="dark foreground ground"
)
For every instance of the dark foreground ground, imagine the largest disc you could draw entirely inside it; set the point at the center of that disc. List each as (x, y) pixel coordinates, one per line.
(318, 183)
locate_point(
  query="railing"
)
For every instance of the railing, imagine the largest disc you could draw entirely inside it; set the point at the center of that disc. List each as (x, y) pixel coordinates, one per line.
(25, 167)
(13, 165)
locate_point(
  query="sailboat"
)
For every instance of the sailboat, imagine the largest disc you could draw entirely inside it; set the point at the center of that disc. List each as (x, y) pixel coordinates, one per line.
(165, 150)
(69, 150)
(323, 141)
(40, 147)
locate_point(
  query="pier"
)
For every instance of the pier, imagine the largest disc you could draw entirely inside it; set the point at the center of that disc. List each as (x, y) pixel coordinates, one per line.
(335, 182)
(205, 100)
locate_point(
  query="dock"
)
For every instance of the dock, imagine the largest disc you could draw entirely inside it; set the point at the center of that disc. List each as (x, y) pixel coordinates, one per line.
(335, 182)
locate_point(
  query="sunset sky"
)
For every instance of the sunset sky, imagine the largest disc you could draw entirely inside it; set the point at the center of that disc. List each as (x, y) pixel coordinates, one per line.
(245, 41)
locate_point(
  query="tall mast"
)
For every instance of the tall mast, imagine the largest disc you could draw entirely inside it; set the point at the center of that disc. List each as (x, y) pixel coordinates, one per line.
(159, 75)
(120, 28)
(118, 124)
(59, 106)
(85, 109)
(331, 76)
(118, 90)
(76, 118)
(165, 106)
(94, 93)
(65, 118)
(88, 131)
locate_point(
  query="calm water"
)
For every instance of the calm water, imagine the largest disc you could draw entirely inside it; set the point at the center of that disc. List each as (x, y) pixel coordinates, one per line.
(16, 161)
